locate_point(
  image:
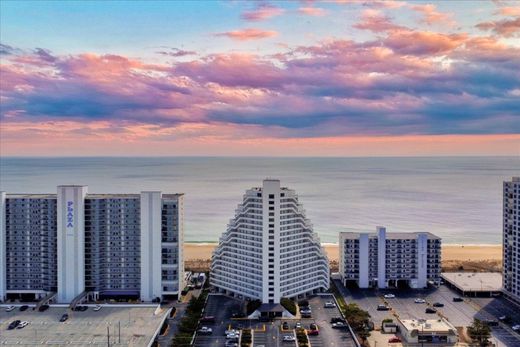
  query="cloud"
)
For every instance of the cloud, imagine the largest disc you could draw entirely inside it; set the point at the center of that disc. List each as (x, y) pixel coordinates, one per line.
(248, 34)
(432, 16)
(312, 11)
(176, 52)
(509, 11)
(262, 12)
(6, 49)
(504, 27)
(375, 21)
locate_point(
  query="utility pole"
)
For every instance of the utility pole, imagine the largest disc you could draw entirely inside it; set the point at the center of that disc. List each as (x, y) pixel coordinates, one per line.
(119, 339)
(108, 336)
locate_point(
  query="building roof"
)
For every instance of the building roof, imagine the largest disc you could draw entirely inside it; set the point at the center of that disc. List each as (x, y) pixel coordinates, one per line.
(428, 326)
(89, 196)
(474, 281)
(271, 308)
(389, 236)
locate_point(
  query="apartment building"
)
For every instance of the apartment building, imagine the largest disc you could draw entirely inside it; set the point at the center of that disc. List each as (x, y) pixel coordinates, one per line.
(269, 250)
(385, 260)
(105, 245)
(511, 239)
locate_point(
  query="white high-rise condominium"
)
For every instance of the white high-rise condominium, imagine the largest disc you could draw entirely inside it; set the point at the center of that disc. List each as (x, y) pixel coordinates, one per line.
(387, 259)
(269, 250)
(100, 245)
(511, 240)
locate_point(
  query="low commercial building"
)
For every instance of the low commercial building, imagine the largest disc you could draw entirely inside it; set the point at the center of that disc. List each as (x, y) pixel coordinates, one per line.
(269, 250)
(100, 245)
(385, 260)
(474, 283)
(427, 331)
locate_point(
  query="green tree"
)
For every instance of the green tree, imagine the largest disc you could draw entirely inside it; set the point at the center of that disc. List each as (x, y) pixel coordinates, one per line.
(480, 332)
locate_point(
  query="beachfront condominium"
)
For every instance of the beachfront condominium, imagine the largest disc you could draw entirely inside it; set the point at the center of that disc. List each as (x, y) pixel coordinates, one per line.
(385, 260)
(269, 250)
(76, 244)
(511, 240)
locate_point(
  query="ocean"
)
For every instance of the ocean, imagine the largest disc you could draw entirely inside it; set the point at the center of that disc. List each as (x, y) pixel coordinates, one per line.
(457, 198)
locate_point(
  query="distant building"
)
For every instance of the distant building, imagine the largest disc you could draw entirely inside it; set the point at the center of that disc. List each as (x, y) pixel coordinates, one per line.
(103, 245)
(269, 250)
(388, 259)
(511, 240)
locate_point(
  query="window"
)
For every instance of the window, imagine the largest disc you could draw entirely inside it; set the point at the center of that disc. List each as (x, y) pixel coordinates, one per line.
(271, 196)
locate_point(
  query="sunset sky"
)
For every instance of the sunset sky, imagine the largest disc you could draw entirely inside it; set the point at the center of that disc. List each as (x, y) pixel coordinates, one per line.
(258, 78)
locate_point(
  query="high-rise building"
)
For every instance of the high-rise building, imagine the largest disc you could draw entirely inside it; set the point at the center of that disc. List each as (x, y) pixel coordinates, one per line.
(511, 240)
(104, 245)
(384, 259)
(269, 250)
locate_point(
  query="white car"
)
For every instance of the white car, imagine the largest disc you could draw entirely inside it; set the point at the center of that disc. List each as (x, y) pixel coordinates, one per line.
(419, 301)
(516, 327)
(205, 331)
(330, 304)
(389, 296)
(22, 325)
(10, 308)
(231, 331)
(289, 338)
(97, 308)
(233, 336)
(298, 325)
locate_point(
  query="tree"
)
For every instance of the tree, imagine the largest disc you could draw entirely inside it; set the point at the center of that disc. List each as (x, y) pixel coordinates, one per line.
(480, 332)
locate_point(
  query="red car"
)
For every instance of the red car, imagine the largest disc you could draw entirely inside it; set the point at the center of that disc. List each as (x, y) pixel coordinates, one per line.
(394, 339)
(314, 330)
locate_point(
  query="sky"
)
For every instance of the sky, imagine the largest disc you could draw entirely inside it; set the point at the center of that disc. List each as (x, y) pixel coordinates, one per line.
(259, 78)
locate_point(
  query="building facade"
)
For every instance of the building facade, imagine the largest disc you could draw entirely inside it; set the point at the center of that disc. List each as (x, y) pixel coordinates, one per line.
(269, 250)
(104, 245)
(385, 260)
(511, 238)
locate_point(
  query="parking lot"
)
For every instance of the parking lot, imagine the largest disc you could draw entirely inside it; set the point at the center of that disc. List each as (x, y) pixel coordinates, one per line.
(270, 334)
(458, 313)
(138, 326)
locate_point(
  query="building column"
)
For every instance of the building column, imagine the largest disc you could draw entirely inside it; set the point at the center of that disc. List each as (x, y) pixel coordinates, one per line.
(271, 187)
(71, 242)
(151, 251)
(3, 269)
(381, 257)
(363, 261)
(422, 260)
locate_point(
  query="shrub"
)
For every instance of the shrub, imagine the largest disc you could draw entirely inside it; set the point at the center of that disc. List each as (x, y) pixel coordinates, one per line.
(289, 305)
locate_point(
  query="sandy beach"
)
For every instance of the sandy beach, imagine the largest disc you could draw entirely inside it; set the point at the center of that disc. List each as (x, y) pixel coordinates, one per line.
(450, 252)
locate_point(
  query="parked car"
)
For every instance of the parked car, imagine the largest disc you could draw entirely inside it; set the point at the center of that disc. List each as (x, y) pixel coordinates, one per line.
(230, 343)
(458, 299)
(438, 304)
(233, 336)
(430, 310)
(205, 331)
(22, 325)
(339, 325)
(337, 319)
(24, 308)
(9, 308)
(230, 331)
(97, 308)
(14, 324)
(382, 307)
(285, 326)
(298, 325)
(504, 318)
(516, 327)
(394, 339)
(491, 322)
(419, 301)
(43, 308)
(289, 338)
(389, 296)
(330, 304)
(313, 329)
(64, 317)
(83, 308)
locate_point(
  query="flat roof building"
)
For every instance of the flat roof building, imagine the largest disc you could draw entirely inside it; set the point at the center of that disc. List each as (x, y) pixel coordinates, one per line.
(474, 283)
(385, 260)
(269, 250)
(511, 239)
(103, 245)
(427, 331)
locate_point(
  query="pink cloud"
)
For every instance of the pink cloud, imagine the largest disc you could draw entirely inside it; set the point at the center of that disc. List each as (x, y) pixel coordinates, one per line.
(263, 12)
(505, 27)
(375, 21)
(432, 16)
(510, 11)
(423, 42)
(248, 34)
(312, 11)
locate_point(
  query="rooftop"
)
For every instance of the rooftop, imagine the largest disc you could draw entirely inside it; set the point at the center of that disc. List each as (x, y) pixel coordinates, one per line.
(428, 326)
(89, 196)
(474, 281)
(138, 326)
(390, 236)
